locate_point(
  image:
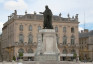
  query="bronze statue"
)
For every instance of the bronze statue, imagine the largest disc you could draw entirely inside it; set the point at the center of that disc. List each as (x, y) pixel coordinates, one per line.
(47, 24)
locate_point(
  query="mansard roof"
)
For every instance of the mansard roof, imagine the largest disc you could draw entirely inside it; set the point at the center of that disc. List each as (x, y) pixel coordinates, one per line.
(86, 34)
(38, 17)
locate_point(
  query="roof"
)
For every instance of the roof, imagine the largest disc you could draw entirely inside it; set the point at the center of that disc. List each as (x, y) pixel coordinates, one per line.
(86, 34)
(40, 17)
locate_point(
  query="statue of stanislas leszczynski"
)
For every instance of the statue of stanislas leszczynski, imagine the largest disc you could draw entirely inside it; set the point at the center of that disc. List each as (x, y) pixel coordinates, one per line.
(47, 24)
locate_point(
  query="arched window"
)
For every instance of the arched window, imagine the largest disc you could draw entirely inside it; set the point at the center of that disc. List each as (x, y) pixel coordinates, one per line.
(72, 30)
(64, 51)
(56, 29)
(39, 28)
(72, 40)
(21, 38)
(21, 50)
(73, 51)
(64, 40)
(30, 38)
(64, 29)
(30, 28)
(21, 28)
(30, 51)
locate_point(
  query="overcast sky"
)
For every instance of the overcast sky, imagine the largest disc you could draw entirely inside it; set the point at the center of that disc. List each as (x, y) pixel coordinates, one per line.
(64, 7)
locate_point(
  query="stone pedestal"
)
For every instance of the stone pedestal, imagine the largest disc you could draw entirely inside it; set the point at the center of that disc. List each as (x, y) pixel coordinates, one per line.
(47, 48)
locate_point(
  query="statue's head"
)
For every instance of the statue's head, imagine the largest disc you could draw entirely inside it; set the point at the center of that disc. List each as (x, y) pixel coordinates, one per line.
(46, 6)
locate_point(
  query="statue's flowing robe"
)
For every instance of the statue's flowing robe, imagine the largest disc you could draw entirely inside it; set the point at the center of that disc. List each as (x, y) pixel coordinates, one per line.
(48, 19)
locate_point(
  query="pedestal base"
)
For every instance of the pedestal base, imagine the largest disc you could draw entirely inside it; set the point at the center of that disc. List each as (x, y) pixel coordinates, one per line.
(47, 57)
(47, 49)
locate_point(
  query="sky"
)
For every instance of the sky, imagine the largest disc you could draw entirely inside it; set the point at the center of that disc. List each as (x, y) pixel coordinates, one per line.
(82, 7)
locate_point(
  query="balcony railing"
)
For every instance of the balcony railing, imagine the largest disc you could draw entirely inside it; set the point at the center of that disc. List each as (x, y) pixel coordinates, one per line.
(25, 44)
(70, 55)
(68, 44)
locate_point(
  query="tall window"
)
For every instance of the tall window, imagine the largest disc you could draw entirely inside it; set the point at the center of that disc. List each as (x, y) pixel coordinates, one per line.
(30, 28)
(56, 29)
(57, 38)
(64, 51)
(30, 51)
(72, 30)
(21, 50)
(21, 38)
(64, 40)
(64, 29)
(30, 38)
(21, 28)
(72, 40)
(39, 28)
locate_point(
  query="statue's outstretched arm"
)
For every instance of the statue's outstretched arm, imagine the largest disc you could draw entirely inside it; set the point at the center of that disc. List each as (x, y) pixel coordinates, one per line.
(41, 12)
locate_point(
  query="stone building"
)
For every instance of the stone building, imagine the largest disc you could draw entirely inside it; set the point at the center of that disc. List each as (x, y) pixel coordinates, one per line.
(86, 45)
(0, 48)
(20, 35)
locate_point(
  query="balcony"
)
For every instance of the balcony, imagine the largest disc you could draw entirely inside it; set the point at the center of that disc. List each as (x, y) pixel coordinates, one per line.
(64, 45)
(26, 44)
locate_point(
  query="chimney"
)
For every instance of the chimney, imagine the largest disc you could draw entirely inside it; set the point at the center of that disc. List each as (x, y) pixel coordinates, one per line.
(86, 31)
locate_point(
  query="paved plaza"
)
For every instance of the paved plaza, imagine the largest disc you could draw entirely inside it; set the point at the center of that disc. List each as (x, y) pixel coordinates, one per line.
(33, 62)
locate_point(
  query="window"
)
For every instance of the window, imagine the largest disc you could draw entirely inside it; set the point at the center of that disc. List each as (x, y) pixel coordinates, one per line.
(64, 29)
(30, 28)
(72, 40)
(56, 29)
(57, 38)
(64, 40)
(39, 28)
(73, 51)
(72, 30)
(21, 28)
(30, 51)
(21, 38)
(30, 38)
(21, 50)
(64, 51)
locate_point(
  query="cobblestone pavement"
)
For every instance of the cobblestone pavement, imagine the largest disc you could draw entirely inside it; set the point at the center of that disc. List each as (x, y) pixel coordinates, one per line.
(86, 63)
(54, 63)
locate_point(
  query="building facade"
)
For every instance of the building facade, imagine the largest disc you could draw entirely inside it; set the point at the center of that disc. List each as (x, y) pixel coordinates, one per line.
(0, 48)
(86, 45)
(20, 34)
